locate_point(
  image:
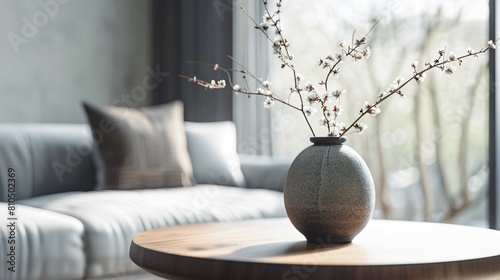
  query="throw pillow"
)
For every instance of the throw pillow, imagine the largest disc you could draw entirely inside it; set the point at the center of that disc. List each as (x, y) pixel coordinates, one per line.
(212, 148)
(142, 148)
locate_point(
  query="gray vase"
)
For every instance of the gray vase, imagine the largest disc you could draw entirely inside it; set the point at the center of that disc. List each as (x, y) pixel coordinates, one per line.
(329, 192)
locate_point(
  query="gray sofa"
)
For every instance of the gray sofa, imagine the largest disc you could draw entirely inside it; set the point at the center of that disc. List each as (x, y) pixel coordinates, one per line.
(62, 227)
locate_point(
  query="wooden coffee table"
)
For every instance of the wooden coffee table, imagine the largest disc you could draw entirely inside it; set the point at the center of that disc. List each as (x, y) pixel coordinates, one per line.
(274, 249)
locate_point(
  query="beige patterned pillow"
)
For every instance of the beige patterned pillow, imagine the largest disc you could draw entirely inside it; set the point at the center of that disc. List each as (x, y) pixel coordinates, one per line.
(142, 148)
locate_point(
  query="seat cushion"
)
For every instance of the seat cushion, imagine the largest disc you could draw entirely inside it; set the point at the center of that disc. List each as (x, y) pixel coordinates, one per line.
(142, 148)
(112, 218)
(48, 245)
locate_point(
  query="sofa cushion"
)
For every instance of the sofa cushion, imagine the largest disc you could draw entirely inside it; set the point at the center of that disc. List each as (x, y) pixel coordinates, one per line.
(112, 218)
(212, 148)
(48, 245)
(142, 148)
(265, 172)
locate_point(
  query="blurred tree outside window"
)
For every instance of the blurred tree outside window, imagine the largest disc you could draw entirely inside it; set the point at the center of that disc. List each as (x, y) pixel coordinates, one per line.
(428, 152)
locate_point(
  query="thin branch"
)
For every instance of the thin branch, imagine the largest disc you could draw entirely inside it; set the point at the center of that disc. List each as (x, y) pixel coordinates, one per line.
(414, 77)
(207, 86)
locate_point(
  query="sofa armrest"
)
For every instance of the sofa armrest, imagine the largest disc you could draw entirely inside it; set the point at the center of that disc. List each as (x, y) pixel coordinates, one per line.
(264, 172)
(47, 158)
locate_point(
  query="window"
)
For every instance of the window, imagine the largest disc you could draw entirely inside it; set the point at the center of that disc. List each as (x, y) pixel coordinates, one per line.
(428, 152)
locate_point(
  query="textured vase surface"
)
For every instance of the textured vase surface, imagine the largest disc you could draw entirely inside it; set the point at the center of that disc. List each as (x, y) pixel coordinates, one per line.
(329, 192)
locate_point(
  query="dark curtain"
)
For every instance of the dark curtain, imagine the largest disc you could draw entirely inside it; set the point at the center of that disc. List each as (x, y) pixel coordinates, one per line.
(193, 30)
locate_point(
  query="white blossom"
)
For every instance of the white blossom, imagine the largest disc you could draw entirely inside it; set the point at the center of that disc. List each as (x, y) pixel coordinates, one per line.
(452, 57)
(266, 84)
(370, 109)
(309, 111)
(470, 50)
(322, 121)
(338, 56)
(420, 77)
(266, 17)
(398, 80)
(491, 44)
(449, 69)
(356, 56)
(214, 84)
(337, 129)
(395, 84)
(339, 92)
(309, 86)
(264, 25)
(312, 97)
(328, 97)
(236, 88)
(276, 46)
(392, 87)
(336, 73)
(337, 110)
(268, 103)
(360, 127)
(367, 53)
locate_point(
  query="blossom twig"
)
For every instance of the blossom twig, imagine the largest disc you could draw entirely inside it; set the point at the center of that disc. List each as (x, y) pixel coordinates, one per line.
(418, 76)
(307, 92)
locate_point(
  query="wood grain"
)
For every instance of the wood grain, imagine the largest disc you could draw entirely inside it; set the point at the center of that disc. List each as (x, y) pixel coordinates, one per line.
(273, 249)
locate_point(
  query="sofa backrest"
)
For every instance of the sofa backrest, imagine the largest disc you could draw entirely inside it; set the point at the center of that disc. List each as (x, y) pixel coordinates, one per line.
(45, 159)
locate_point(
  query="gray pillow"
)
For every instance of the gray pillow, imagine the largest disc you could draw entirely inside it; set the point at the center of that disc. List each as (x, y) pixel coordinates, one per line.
(142, 148)
(212, 148)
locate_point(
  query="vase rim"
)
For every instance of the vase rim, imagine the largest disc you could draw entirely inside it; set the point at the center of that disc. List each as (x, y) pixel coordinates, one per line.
(328, 140)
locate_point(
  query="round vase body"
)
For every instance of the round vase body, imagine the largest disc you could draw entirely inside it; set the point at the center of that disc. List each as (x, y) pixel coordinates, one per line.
(329, 192)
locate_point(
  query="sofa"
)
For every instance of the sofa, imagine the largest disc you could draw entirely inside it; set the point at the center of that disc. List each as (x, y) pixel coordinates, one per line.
(63, 224)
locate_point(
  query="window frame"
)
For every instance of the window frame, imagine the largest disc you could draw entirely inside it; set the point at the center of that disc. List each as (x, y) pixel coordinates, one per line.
(494, 189)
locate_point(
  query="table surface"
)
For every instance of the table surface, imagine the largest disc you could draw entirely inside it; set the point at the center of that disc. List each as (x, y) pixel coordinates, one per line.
(274, 249)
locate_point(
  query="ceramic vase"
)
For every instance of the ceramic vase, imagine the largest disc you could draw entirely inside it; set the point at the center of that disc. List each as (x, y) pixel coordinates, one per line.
(329, 192)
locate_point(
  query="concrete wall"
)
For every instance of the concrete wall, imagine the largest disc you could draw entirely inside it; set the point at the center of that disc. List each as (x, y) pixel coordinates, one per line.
(56, 53)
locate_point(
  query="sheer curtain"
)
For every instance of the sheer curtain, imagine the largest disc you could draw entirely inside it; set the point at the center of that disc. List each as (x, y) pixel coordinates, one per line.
(250, 49)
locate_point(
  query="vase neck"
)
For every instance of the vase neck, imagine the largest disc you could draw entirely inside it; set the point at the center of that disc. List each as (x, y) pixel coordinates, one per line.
(327, 140)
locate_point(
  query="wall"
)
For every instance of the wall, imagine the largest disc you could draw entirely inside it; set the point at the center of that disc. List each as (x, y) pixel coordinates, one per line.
(54, 54)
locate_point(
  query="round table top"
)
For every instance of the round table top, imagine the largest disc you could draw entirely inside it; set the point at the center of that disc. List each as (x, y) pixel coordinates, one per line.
(274, 249)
